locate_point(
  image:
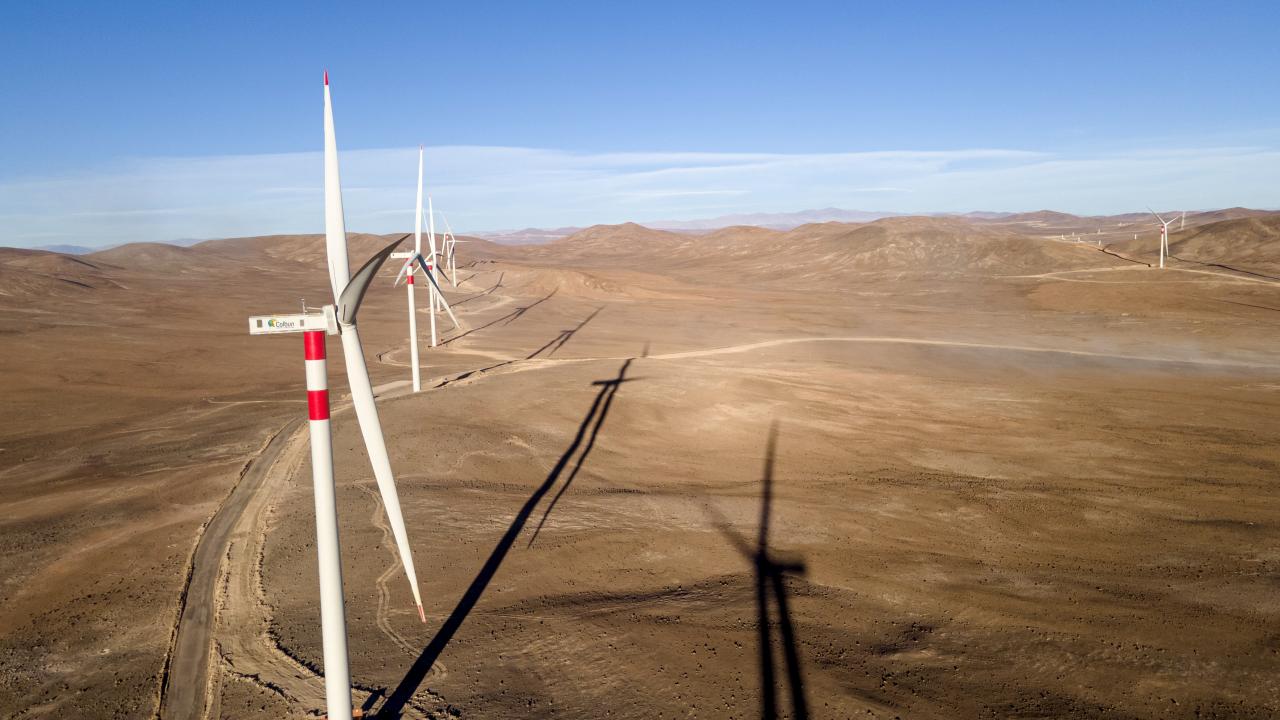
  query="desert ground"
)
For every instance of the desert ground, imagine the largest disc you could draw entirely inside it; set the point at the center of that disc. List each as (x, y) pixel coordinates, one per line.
(913, 468)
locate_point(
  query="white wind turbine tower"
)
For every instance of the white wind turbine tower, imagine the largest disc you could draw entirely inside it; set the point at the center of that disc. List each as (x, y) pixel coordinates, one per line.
(1164, 235)
(340, 319)
(409, 285)
(414, 262)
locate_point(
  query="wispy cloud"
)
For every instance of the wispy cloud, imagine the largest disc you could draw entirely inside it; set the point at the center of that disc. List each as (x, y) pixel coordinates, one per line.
(497, 187)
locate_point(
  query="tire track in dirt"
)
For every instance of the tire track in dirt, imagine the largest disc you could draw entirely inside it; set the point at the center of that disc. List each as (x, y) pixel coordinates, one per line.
(383, 615)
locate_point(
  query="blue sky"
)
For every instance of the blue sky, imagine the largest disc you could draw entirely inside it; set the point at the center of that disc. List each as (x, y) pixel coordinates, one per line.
(154, 121)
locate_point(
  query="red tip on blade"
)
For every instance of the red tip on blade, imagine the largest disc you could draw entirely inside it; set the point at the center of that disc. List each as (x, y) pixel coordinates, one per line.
(422, 615)
(326, 76)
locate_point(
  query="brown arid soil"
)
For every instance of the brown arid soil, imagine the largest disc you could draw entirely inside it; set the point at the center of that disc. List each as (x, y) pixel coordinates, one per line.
(915, 468)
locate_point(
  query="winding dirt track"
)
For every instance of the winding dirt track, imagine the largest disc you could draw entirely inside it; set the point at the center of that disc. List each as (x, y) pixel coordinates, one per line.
(225, 611)
(187, 680)
(1059, 274)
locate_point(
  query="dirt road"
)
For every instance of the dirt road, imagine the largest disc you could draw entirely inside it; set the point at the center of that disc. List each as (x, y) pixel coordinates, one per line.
(187, 677)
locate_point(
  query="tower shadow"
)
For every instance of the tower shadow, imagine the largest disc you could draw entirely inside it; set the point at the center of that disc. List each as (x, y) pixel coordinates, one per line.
(412, 680)
(558, 342)
(771, 570)
(482, 293)
(565, 336)
(505, 319)
(599, 410)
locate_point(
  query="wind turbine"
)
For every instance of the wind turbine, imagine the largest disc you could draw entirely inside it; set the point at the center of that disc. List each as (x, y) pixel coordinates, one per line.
(409, 285)
(450, 250)
(446, 252)
(415, 261)
(340, 319)
(1164, 235)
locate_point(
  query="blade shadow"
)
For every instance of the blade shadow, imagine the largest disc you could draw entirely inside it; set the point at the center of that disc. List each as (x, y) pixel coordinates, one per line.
(770, 584)
(561, 339)
(565, 336)
(482, 293)
(505, 319)
(412, 680)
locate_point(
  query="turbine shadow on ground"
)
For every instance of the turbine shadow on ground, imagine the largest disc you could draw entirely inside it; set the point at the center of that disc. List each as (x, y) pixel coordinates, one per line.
(564, 337)
(599, 410)
(558, 341)
(405, 690)
(1224, 267)
(482, 293)
(509, 318)
(1248, 305)
(770, 581)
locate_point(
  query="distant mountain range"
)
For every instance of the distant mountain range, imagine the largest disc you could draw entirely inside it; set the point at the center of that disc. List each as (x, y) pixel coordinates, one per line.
(84, 249)
(1041, 222)
(773, 221)
(526, 236)
(70, 249)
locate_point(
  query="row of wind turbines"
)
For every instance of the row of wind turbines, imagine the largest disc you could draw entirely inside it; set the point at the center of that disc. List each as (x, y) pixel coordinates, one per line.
(1164, 233)
(415, 262)
(339, 319)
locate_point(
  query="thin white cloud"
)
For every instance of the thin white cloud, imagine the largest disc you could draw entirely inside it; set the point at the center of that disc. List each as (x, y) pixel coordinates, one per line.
(494, 187)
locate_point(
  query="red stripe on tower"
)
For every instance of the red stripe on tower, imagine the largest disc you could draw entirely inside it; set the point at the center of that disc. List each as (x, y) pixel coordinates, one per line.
(318, 404)
(314, 341)
(410, 280)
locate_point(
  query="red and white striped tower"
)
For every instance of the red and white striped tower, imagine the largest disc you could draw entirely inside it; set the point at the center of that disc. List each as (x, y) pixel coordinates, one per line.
(333, 615)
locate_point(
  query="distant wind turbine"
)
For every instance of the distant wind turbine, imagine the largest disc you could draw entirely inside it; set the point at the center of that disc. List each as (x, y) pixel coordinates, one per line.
(409, 284)
(450, 250)
(1164, 235)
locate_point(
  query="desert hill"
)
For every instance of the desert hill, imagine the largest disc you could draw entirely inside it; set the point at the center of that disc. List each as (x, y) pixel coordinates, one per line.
(1251, 243)
(608, 241)
(41, 273)
(826, 251)
(148, 257)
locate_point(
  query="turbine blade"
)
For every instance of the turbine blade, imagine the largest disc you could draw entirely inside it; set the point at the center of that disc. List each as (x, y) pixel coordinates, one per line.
(417, 223)
(403, 269)
(439, 292)
(1153, 212)
(357, 372)
(335, 226)
(353, 293)
(371, 429)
